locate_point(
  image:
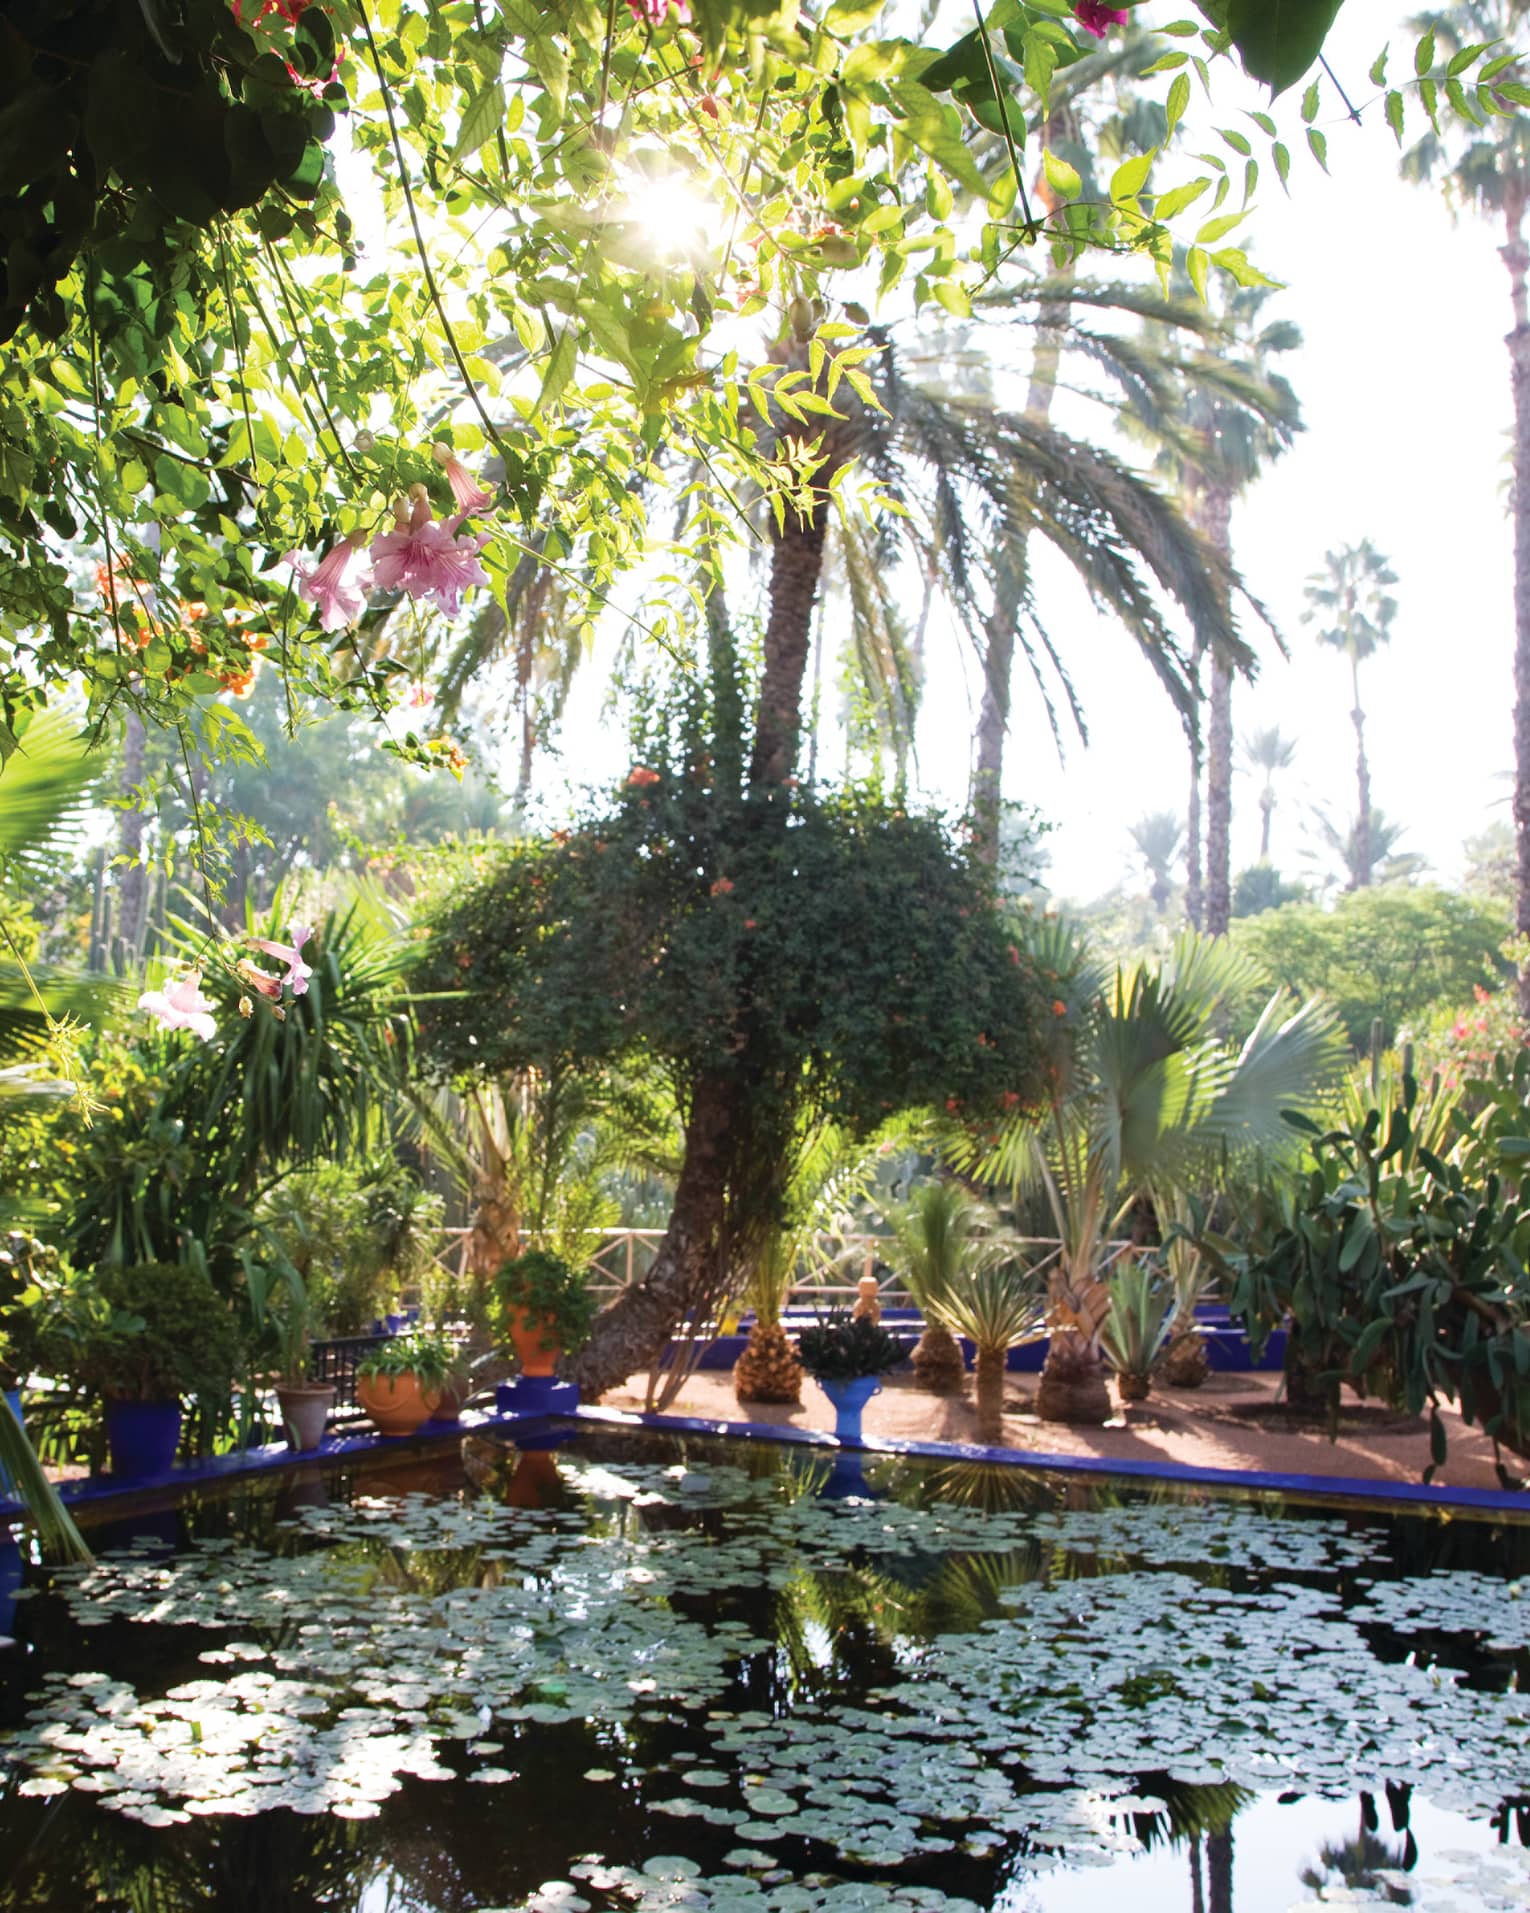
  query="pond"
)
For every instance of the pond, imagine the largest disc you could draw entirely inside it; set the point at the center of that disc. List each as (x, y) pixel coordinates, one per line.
(635, 1672)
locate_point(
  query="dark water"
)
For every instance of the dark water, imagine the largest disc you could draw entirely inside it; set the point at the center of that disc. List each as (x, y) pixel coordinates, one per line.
(641, 1673)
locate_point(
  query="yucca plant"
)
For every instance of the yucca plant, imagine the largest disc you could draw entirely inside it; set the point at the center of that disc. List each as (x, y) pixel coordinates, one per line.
(940, 1234)
(997, 1301)
(1137, 1324)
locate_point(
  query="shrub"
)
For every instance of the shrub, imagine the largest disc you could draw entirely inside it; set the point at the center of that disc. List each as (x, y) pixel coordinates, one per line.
(169, 1333)
(844, 1347)
(551, 1294)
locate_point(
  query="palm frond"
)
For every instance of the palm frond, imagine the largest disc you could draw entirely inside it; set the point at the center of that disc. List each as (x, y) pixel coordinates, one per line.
(46, 786)
(32, 1488)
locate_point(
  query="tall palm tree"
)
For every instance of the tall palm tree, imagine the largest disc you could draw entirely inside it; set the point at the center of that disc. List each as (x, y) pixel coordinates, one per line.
(1349, 603)
(1365, 858)
(1232, 415)
(1158, 837)
(1154, 1098)
(1269, 751)
(1489, 172)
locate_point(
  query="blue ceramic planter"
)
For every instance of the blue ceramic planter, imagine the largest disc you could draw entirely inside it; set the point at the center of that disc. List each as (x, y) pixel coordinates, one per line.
(141, 1438)
(850, 1398)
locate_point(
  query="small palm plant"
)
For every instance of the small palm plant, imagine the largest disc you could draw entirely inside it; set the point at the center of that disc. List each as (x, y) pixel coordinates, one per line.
(1137, 1325)
(769, 1370)
(997, 1301)
(940, 1235)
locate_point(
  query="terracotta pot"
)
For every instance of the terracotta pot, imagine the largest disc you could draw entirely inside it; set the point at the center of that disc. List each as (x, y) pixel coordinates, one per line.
(459, 1385)
(396, 1403)
(527, 1334)
(305, 1409)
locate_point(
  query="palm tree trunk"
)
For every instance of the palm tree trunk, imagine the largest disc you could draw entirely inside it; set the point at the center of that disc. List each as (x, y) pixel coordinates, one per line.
(1517, 258)
(1210, 511)
(999, 657)
(1266, 815)
(1219, 1871)
(1195, 896)
(133, 892)
(1361, 874)
(990, 1394)
(795, 567)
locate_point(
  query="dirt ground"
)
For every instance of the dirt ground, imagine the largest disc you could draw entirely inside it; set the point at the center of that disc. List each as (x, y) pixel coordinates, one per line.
(1232, 1422)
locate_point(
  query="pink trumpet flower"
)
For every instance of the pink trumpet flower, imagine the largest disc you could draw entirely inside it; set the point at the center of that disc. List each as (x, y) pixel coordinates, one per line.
(341, 599)
(426, 559)
(298, 972)
(1096, 18)
(181, 1006)
(259, 979)
(469, 498)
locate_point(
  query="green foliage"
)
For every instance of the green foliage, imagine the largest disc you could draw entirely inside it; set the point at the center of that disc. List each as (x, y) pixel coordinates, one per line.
(941, 1233)
(1387, 954)
(552, 1295)
(169, 1334)
(1261, 887)
(842, 1347)
(1403, 1272)
(996, 1299)
(1140, 1318)
(31, 1274)
(431, 1359)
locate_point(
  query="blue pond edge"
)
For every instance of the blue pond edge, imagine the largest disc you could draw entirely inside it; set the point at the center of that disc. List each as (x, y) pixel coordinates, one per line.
(278, 1457)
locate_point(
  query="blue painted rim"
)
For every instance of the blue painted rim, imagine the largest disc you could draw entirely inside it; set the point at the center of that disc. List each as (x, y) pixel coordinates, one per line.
(278, 1458)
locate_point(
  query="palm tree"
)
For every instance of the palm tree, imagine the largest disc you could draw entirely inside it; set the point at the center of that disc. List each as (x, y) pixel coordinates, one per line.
(1349, 603)
(1368, 856)
(1268, 751)
(1153, 1098)
(941, 1235)
(1158, 837)
(997, 1301)
(1490, 173)
(1231, 416)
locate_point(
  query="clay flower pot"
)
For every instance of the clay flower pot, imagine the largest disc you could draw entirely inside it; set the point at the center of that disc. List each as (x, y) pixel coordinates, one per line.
(528, 1334)
(397, 1403)
(305, 1410)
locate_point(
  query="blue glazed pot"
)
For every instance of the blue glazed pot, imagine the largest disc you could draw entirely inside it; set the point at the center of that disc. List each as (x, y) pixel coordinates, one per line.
(13, 1401)
(850, 1397)
(141, 1438)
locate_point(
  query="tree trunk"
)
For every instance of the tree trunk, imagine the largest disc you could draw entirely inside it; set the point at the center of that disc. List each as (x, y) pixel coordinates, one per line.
(631, 1333)
(1266, 816)
(1073, 1381)
(769, 1370)
(1195, 896)
(1210, 511)
(999, 657)
(1219, 1871)
(132, 893)
(1360, 876)
(1517, 259)
(991, 1364)
(937, 1361)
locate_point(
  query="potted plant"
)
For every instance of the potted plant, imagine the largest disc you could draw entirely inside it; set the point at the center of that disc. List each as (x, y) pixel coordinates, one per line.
(163, 1332)
(847, 1357)
(304, 1403)
(545, 1307)
(399, 1382)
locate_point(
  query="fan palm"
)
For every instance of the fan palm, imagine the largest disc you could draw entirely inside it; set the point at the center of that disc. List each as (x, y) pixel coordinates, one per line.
(1158, 837)
(1152, 1097)
(941, 1234)
(1269, 751)
(1349, 603)
(1488, 171)
(998, 1301)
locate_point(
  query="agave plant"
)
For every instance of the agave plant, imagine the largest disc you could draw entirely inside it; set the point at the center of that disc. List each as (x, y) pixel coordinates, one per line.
(1137, 1324)
(997, 1301)
(941, 1235)
(1152, 1097)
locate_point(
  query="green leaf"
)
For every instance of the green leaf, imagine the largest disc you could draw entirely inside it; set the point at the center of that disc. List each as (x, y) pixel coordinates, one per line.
(1178, 100)
(1215, 229)
(1279, 39)
(1282, 158)
(1311, 100)
(1423, 55)
(936, 129)
(1166, 205)
(1060, 176)
(1198, 265)
(1130, 177)
(1379, 68)
(560, 369)
(1394, 111)
(1319, 144)
(483, 115)
(848, 17)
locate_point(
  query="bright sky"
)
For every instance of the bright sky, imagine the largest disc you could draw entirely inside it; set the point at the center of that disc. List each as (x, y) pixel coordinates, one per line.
(1404, 385)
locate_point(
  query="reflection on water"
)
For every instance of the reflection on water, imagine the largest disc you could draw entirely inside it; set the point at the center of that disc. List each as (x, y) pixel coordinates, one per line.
(723, 1677)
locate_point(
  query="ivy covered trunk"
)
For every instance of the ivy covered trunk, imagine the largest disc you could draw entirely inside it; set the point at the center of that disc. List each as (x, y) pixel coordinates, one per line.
(692, 1259)
(1516, 256)
(991, 1363)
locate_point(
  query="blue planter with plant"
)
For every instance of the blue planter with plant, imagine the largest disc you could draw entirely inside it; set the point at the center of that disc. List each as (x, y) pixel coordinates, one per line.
(847, 1357)
(544, 1309)
(141, 1438)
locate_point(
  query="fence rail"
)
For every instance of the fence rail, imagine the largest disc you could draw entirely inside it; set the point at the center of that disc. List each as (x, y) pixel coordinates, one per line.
(619, 1257)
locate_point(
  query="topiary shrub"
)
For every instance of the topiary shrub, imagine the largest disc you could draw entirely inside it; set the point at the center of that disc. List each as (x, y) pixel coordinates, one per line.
(169, 1333)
